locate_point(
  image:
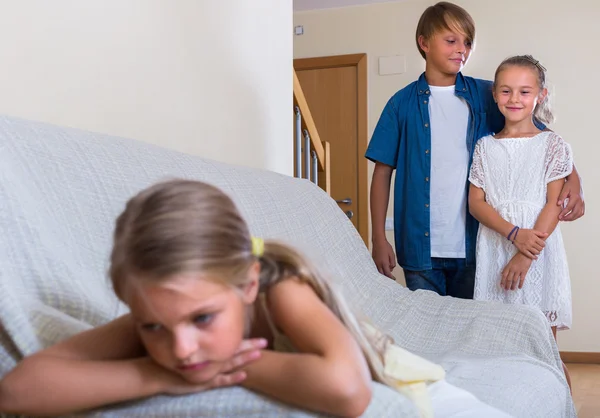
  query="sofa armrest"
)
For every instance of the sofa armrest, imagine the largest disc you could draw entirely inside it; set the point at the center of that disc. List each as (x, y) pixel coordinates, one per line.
(432, 326)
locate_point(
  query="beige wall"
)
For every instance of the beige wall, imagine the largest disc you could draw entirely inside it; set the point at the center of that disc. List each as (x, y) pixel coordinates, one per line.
(563, 35)
(211, 78)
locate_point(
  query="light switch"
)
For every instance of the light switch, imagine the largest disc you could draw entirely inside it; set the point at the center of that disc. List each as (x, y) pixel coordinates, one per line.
(395, 64)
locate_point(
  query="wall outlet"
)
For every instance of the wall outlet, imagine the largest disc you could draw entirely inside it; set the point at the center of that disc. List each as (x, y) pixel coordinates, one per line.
(389, 224)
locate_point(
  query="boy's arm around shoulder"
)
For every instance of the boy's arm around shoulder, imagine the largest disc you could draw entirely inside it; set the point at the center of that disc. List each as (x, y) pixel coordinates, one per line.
(328, 373)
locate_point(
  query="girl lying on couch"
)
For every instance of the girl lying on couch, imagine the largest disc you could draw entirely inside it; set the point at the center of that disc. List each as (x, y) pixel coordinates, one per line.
(206, 300)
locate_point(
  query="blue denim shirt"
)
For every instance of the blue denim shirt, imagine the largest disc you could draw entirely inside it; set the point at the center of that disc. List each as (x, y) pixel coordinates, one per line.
(402, 139)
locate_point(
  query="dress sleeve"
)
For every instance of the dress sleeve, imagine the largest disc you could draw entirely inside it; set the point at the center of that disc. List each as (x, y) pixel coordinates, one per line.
(559, 158)
(476, 175)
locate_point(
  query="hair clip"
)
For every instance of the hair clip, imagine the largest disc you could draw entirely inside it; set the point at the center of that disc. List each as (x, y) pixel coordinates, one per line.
(535, 62)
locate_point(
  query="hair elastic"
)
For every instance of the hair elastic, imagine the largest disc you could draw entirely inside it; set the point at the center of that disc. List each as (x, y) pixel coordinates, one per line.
(258, 246)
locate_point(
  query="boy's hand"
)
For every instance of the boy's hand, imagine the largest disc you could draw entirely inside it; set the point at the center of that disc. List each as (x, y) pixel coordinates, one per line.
(230, 374)
(530, 242)
(573, 195)
(513, 275)
(384, 257)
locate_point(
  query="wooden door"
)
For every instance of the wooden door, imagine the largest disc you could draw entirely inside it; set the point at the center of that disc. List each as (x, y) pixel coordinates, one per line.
(335, 90)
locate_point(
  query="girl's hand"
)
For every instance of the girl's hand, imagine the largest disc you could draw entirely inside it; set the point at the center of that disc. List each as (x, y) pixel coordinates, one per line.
(513, 275)
(530, 242)
(173, 384)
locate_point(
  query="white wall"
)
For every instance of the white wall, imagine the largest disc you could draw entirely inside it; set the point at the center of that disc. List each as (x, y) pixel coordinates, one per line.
(562, 35)
(211, 78)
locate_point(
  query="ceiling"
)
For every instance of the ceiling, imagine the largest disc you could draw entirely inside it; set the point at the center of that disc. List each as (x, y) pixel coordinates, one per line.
(300, 5)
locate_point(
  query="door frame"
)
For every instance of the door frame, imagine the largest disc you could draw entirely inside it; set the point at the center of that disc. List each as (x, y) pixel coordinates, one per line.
(360, 62)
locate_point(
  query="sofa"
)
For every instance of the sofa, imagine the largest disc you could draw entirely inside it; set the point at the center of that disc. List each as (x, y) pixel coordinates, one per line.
(61, 190)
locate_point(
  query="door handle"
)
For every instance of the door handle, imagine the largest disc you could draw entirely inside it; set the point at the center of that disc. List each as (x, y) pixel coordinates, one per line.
(346, 201)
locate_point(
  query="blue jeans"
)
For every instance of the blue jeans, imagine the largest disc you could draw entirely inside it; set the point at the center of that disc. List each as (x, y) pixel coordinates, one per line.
(448, 277)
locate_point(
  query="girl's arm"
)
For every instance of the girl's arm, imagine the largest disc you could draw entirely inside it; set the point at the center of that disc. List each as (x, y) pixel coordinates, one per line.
(62, 386)
(530, 242)
(101, 366)
(87, 370)
(329, 373)
(513, 275)
(548, 218)
(485, 214)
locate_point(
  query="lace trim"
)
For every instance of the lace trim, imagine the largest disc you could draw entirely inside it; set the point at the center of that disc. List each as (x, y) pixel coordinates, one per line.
(476, 175)
(559, 159)
(551, 316)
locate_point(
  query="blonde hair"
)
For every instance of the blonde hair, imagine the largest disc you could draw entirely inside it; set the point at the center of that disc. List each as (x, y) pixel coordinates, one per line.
(444, 16)
(543, 111)
(181, 226)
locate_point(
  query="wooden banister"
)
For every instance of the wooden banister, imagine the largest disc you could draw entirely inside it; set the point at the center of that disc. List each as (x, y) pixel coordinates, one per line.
(308, 123)
(325, 177)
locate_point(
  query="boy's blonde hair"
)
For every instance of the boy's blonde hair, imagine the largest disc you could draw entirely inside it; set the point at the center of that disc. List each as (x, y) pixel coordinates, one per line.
(444, 16)
(543, 111)
(181, 226)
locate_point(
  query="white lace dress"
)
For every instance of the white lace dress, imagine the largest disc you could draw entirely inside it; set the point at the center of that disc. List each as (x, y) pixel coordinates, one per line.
(514, 173)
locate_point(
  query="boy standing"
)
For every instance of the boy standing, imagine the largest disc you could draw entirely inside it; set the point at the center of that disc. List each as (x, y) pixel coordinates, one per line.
(427, 133)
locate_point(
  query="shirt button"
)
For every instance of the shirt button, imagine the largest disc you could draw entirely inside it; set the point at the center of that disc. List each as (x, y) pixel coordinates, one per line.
(426, 234)
(424, 101)
(426, 91)
(426, 151)
(420, 91)
(427, 125)
(464, 89)
(426, 178)
(426, 205)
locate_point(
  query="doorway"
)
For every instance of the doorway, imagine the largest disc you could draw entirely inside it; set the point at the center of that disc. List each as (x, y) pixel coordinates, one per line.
(335, 88)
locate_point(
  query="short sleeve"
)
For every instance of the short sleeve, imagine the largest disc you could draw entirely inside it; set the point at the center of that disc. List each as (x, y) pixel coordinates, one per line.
(559, 158)
(385, 141)
(476, 175)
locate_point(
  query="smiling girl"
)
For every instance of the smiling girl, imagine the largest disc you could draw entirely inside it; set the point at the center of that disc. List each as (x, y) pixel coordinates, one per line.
(516, 178)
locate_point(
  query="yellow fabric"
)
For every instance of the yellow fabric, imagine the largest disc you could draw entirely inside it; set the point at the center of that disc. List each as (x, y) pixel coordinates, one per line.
(410, 374)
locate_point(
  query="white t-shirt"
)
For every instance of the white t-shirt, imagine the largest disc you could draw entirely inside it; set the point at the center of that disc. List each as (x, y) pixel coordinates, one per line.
(449, 120)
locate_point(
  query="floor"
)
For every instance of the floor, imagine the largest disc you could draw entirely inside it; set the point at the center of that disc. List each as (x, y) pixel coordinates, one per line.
(585, 379)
